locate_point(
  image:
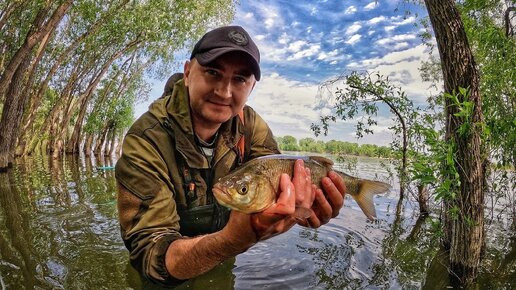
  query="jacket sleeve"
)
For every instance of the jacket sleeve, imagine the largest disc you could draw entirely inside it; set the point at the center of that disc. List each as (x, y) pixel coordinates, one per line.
(146, 207)
(262, 140)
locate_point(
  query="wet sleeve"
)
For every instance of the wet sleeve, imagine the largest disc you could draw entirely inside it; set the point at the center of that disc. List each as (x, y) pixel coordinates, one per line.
(147, 210)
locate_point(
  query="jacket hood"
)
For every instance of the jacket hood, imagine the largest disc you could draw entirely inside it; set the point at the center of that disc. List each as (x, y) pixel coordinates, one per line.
(174, 106)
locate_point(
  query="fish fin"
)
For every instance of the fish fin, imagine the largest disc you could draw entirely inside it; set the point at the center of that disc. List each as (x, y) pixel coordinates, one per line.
(364, 198)
(322, 160)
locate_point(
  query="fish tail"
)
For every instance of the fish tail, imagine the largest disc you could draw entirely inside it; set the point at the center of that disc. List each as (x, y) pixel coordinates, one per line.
(364, 198)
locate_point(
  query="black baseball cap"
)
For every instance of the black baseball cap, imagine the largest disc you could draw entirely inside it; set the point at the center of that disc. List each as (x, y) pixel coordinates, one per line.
(223, 40)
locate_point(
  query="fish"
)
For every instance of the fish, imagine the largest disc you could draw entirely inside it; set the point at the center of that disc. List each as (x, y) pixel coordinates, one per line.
(253, 187)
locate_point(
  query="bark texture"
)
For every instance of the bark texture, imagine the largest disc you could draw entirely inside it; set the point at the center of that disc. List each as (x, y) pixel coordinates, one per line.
(464, 232)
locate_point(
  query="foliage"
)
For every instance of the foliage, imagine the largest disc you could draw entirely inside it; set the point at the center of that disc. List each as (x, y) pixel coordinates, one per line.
(360, 100)
(289, 143)
(98, 59)
(494, 51)
(494, 54)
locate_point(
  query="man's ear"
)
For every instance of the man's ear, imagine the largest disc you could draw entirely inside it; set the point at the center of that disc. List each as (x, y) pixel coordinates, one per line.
(186, 71)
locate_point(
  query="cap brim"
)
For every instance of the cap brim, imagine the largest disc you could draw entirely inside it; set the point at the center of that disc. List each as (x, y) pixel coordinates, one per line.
(207, 57)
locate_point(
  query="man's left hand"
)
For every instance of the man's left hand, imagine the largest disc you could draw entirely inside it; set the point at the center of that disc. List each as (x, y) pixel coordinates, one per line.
(327, 204)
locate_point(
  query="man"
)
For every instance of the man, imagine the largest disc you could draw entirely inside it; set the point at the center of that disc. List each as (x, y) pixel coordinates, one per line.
(172, 155)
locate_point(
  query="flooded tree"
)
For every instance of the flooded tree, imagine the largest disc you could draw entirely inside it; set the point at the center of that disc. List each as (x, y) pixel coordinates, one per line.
(46, 19)
(463, 213)
(64, 61)
(360, 96)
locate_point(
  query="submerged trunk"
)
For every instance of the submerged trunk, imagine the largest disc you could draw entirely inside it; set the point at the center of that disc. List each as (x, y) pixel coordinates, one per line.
(100, 140)
(463, 215)
(88, 144)
(20, 61)
(422, 200)
(108, 150)
(11, 116)
(118, 149)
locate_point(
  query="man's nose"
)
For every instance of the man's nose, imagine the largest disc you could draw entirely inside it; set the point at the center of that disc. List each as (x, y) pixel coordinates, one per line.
(223, 89)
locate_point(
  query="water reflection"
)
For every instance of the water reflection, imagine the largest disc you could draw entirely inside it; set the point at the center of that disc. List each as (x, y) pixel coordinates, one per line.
(59, 230)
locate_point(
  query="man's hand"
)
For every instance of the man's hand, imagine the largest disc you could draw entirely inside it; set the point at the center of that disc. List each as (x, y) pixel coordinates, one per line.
(326, 206)
(274, 220)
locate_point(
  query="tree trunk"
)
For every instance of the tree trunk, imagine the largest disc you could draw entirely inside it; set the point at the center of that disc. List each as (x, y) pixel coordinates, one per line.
(8, 83)
(26, 94)
(464, 231)
(108, 148)
(422, 199)
(101, 139)
(33, 38)
(118, 149)
(88, 144)
(11, 117)
(65, 55)
(74, 147)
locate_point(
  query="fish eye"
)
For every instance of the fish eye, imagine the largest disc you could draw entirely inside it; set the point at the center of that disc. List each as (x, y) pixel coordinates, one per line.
(243, 190)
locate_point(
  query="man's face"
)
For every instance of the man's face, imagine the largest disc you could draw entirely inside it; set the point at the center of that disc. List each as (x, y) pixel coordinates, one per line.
(219, 90)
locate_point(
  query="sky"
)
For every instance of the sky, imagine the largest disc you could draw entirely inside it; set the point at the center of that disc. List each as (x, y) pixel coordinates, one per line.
(303, 43)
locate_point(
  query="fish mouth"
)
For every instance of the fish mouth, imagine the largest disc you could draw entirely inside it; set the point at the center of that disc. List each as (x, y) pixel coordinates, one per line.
(220, 192)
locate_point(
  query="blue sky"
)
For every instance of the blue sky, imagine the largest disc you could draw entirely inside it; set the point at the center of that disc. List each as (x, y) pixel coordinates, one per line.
(304, 43)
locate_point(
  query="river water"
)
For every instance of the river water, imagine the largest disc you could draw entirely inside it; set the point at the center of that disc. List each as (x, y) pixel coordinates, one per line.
(59, 230)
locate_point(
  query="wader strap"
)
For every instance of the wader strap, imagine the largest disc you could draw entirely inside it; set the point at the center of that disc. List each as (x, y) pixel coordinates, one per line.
(189, 186)
(241, 142)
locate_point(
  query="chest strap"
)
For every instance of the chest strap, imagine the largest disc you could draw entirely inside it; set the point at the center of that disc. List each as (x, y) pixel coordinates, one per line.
(241, 142)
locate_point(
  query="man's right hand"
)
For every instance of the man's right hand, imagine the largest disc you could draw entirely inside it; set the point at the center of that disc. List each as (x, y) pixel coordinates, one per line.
(276, 219)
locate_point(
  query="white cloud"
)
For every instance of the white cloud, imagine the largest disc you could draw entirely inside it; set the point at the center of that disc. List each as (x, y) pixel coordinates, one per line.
(269, 22)
(376, 20)
(284, 38)
(302, 46)
(311, 50)
(314, 11)
(354, 39)
(350, 10)
(396, 38)
(296, 45)
(270, 16)
(405, 21)
(402, 67)
(389, 28)
(325, 55)
(354, 28)
(287, 105)
(371, 6)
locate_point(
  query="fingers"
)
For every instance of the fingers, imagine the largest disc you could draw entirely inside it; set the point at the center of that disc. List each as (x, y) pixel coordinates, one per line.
(324, 208)
(277, 218)
(286, 202)
(302, 181)
(299, 180)
(335, 189)
(338, 181)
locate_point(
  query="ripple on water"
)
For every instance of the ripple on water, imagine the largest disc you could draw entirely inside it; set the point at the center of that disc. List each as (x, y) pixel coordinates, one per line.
(274, 264)
(340, 254)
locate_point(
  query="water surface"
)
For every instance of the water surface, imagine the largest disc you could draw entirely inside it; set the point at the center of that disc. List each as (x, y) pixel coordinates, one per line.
(59, 230)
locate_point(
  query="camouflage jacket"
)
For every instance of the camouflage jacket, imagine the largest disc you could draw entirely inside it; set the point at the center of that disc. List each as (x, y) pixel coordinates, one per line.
(169, 180)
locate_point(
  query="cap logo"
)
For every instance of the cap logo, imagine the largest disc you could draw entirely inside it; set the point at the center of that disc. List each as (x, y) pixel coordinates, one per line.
(237, 38)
